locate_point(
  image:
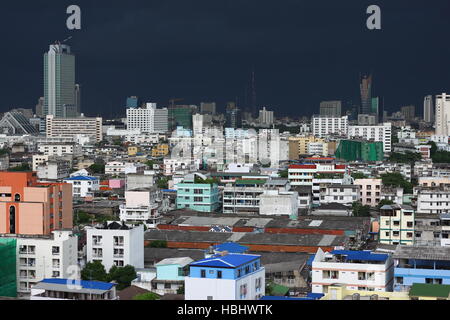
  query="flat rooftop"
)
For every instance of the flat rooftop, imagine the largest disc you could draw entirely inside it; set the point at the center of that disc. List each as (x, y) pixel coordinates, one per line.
(193, 218)
(422, 253)
(310, 240)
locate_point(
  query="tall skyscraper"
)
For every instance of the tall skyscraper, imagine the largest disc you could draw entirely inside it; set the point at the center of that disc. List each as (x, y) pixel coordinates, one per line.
(443, 115)
(408, 112)
(78, 98)
(331, 108)
(40, 107)
(233, 116)
(59, 80)
(428, 109)
(366, 94)
(132, 102)
(265, 117)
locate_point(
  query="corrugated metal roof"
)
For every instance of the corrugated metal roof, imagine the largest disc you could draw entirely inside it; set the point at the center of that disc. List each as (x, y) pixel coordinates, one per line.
(361, 255)
(231, 247)
(233, 260)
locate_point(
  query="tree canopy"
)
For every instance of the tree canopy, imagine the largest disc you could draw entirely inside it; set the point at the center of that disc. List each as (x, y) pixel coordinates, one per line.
(147, 296)
(395, 179)
(359, 210)
(122, 275)
(358, 175)
(407, 157)
(97, 168)
(94, 271)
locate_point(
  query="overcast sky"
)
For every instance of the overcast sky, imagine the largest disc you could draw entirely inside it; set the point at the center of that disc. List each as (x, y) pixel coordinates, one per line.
(303, 52)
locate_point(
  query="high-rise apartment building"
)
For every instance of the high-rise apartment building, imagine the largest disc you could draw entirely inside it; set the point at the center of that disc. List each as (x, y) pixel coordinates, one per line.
(59, 80)
(325, 125)
(72, 127)
(265, 117)
(428, 109)
(380, 133)
(443, 115)
(331, 108)
(149, 119)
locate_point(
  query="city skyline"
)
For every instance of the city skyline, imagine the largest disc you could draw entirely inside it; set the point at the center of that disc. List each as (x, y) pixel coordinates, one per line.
(306, 53)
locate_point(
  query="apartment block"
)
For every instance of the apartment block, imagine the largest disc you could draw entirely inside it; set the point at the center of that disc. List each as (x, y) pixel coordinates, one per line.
(116, 244)
(226, 277)
(396, 224)
(31, 208)
(357, 270)
(71, 127)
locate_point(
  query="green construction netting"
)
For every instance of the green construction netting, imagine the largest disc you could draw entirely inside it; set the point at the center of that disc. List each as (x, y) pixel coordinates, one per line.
(8, 282)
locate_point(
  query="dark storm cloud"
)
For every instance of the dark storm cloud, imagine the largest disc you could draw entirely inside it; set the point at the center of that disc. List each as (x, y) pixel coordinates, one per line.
(303, 51)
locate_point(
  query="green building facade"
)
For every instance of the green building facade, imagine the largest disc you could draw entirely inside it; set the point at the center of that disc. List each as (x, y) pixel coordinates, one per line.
(180, 117)
(356, 150)
(8, 273)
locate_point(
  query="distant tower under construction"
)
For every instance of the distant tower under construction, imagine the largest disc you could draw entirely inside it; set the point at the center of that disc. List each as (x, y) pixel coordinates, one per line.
(366, 94)
(253, 95)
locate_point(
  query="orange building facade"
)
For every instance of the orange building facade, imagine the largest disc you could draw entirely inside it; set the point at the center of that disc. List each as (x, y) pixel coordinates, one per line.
(32, 208)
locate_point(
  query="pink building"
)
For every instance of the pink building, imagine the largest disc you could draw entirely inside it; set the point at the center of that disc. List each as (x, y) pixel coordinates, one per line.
(116, 183)
(370, 191)
(29, 207)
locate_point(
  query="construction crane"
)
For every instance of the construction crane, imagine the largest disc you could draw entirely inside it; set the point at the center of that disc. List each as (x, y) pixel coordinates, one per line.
(173, 100)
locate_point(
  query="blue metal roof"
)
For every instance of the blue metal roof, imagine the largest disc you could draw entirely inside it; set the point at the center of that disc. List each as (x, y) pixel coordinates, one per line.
(86, 178)
(309, 296)
(231, 260)
(362, 255)
(310, 260)
(284, 298)
(231, 247)
(84, 283)
(314, 295)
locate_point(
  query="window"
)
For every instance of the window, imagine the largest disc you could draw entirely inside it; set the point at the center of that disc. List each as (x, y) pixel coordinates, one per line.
(257, 283)
(12, 219)
(203, 273)
(167, 286)
(118, 240)
(399, 280)
(243, 290)
(327, 274)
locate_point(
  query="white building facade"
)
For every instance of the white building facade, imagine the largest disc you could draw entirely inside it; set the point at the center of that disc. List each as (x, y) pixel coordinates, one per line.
(117, 244)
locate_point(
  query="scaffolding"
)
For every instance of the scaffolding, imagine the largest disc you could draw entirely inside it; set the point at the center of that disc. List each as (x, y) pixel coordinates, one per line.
(8, 281)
